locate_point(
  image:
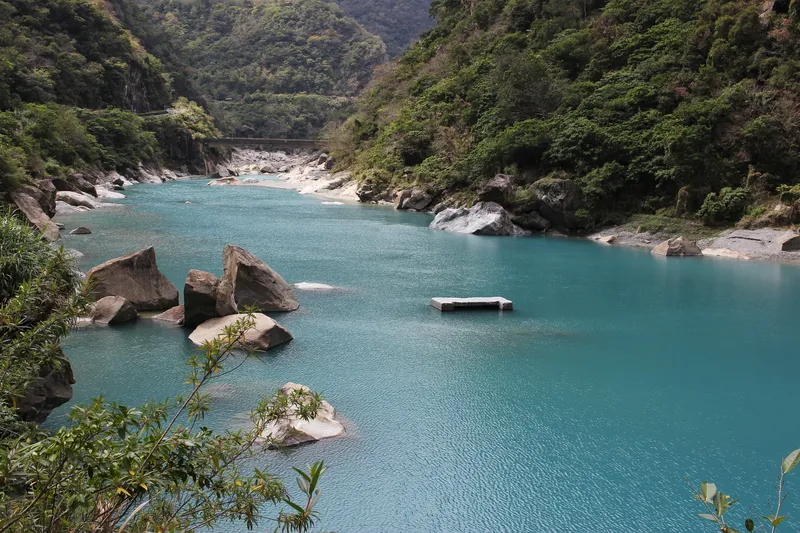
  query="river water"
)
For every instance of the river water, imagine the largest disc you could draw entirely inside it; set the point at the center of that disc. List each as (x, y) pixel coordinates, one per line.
(617, 375)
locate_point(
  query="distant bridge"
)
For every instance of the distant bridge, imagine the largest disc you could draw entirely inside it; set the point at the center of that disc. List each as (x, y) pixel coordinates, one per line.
(265, 144)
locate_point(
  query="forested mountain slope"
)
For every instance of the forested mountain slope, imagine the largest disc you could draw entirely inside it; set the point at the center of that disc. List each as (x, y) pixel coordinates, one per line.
(398, 22)
(72, 78)
(676, 107)
(274, 67)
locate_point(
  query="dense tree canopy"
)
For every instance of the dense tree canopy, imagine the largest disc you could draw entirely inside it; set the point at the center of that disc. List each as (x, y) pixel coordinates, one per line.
(398, 22)
(635, 100)
(266, 50)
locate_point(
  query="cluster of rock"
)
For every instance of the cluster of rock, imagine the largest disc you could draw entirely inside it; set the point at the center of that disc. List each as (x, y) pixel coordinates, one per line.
(766, 244)
(43, 199)
(502, 207)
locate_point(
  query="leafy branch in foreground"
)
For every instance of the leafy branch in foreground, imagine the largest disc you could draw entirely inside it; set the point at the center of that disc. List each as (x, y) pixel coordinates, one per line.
(717, 503)
(148, 469)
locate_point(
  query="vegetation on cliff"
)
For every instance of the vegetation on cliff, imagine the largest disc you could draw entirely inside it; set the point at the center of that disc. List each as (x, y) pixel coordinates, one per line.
(71, 82)
(398, 22)
(671, 106)
(261, 64)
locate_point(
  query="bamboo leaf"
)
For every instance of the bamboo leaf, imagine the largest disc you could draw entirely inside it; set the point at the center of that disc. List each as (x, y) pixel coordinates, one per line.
(707, 516)
(791, 461)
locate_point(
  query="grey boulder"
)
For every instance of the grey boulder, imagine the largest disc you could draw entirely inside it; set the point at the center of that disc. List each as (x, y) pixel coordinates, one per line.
(497, 190)
(113, 310)
(33, 212)
(484, 218)
(77, 199)
(678, 247)
(249, 282)
(264, 335)
(173, 316)
(82, 184)
(561, 200)
(200, 298)
(52, 389)
(81, 231)
(135, 277)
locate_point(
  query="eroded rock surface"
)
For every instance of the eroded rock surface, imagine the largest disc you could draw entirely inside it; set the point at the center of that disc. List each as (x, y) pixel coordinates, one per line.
(484, 218)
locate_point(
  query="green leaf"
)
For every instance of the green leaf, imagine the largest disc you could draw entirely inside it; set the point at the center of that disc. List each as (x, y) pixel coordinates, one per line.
(707, 490)
(707, 516)
(721, 503)
(791, 461)
(778, 520)
(749, 525)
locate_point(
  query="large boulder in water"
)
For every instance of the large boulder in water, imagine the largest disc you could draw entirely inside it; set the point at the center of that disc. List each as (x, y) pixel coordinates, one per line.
(77, 199)
(136, 278)
(247, 281)
(200, 298)
(114, 310)
(561, 199)
(29, 207)
(292, 430)
(484, 218)
(265, 333)
(173, 316)
(677, 247)
(52, 389)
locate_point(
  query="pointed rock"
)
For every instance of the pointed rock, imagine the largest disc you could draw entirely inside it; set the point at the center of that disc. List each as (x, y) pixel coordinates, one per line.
(113, 310)
(35, 215)
(135, 277)
(200, 298)
(248, 281)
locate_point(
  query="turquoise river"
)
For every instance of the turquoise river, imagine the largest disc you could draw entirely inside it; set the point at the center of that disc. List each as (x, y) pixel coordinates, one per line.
(617, 376)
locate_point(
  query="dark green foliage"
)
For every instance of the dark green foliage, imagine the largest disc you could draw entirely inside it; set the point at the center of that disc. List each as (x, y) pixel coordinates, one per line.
(398, 22)
(253, 59)
(71, 52)
(632, 99)
(727, 206)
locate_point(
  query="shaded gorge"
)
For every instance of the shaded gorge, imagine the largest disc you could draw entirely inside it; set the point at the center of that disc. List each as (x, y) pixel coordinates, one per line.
(617, 375)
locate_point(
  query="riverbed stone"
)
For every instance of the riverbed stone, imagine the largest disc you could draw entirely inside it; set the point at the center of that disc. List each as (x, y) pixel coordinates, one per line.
(200, 298)
(82, 230)
(562, 200)
(135, 277)
(33, 212)
(222, 182)
(248, 281)
(790, 242)
(678, 247)
(52, 389)
(77, 199)
(264, 335)
(82, 184)
(498, 190)
(293, 430)
(173, 316)
(113, 310)
(484, 218)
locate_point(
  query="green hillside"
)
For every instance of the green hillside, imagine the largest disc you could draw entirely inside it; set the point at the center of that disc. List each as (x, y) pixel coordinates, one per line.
(674, 107)
(398, 22)
(268, 52)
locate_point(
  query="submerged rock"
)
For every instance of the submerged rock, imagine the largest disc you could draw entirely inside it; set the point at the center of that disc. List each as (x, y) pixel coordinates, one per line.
(248, 281)
(677, 247)
(135, 277)
(307, 286)
(293, 430)
(82, 230)
(264, 335)
(173, 316)
(225, 181)
(113, 310)
(484, 218)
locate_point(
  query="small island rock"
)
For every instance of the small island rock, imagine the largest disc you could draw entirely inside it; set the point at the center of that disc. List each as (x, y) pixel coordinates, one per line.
(81, 231)
(135, 277)
(678, 247)
(484, 218)
(264, 335)
(293, 430)
(113, 310)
